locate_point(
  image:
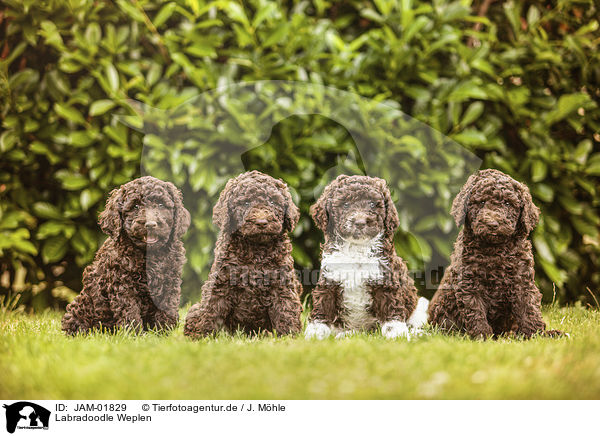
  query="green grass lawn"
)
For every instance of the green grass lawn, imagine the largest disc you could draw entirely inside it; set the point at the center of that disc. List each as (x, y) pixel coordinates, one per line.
(38, 362)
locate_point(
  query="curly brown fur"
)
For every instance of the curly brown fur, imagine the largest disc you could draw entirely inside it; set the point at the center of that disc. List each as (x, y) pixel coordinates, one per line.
(135, 278)
(252, 284)
(358, 218)
(489, 287)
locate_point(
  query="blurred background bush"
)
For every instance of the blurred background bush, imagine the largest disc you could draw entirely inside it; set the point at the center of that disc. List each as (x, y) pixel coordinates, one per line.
(516, 82)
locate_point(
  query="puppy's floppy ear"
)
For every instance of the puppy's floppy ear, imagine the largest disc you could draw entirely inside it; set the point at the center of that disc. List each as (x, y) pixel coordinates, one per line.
(320, 210)
(182, 216)
(530, 213)
(292, 213)
(459, 205)
(110, 219)
(391, 213)
(222, 217)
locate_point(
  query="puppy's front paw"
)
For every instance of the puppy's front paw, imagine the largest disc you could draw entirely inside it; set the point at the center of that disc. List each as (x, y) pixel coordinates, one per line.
(419, 317)
(345, 334)
(417, 332)
(395, 329)
(317, 330)
(480, 331)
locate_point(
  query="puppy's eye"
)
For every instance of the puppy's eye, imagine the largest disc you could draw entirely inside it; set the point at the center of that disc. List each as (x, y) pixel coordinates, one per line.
(372, 204)
(506, 203)
(271, 201)
(246, 203)
(346, 205)
(136, 207)
(160, 206)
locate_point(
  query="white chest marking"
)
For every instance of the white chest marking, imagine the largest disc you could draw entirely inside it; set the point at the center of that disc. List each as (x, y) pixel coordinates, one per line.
(352, 265)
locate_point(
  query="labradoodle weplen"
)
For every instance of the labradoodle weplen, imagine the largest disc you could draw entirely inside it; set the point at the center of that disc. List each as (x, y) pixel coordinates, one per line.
(135, 278)
(363, 282)
(489, 287)
(252, 285)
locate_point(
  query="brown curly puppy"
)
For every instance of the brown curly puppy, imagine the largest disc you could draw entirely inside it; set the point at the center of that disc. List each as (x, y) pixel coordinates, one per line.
(136, 275)
(252, 284)
(489, 287)
(363, 282)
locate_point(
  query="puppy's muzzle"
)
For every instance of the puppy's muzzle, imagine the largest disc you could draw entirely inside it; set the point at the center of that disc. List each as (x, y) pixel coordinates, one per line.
(260, 221)
(360, 221)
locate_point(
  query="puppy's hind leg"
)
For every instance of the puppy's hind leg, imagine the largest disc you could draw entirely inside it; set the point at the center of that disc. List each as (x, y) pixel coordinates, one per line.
(71, 325)
(207, 317)
(164, 320)
(79, 315)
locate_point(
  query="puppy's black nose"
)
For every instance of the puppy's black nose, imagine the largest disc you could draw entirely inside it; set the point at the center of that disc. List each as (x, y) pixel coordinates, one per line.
(261, 222)
(360, 222)
(151, 224)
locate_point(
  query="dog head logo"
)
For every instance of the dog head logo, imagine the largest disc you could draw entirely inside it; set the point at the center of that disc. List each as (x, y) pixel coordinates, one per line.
(26, 415)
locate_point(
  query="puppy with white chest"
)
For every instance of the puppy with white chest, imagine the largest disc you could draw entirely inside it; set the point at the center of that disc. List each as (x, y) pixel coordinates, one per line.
(363, 283)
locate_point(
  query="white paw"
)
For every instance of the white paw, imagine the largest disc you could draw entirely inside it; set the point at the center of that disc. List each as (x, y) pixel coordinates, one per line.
(419, 317)
(345, 333)
(317, 330)
(416, 332)
(395, 329)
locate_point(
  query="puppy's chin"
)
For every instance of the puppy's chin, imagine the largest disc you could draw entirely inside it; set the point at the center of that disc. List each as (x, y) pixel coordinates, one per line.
(256, 233)
(359, 236)
(153, 241)
(259, 238)
(492, 236)
(259, 235)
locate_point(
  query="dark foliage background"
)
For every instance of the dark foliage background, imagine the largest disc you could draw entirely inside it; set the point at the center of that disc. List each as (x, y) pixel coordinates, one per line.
(518, 85)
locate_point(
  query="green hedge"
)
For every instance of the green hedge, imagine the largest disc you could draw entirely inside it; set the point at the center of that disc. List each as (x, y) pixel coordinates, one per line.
(519, 87)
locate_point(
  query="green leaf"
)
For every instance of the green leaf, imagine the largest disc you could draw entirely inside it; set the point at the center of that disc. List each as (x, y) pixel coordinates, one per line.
(582, 151)
(51, 35)
(93, 34)
(543, 191)
(277, 35)
(127, 7)
(89, 197)
(542, 247)
(201, 50)
(69, 113)
(24, 246)
(266, 10)
(538, 170)
(8, 139)
(54, 249)
(236, 13)
(570, 204)
(593, 165)
(164, 14)
(567, 104)
(554, 273)
(100, 107)
(46, 210)
(71, 181)
(472, 113)
(470, 137)
(50, 228)
(466, 90)
(584, 227)
(82, 138)
(533, 15)
(113, 77)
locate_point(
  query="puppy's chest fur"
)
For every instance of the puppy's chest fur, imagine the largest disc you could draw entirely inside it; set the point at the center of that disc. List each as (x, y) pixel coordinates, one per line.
(353, 266)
